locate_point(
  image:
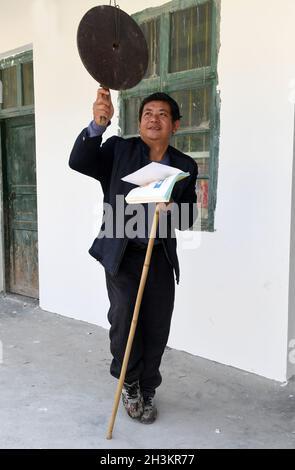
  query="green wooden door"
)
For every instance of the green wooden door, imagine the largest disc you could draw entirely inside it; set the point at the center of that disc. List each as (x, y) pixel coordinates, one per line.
(20, 206)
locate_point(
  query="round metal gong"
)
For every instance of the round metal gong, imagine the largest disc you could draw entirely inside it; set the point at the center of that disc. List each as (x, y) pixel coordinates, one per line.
(112, 47)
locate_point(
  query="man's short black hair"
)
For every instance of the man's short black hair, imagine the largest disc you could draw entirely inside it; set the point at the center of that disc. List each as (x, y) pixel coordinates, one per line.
(175, 113)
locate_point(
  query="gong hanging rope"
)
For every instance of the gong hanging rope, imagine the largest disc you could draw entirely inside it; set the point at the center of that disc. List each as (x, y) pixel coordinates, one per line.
(117, 23)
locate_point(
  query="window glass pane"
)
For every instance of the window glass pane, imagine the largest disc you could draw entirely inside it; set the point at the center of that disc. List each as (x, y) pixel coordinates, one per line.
(194, 107)
(9, 82)
(197, 146)
(151, 30)
(202, 202)
(191, 143)
(131, 115)
(28, 83)
(203, 165)
(190, 38)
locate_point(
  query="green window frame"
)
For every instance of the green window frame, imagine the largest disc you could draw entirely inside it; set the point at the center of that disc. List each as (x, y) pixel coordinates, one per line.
(190, 84)
(17, 85)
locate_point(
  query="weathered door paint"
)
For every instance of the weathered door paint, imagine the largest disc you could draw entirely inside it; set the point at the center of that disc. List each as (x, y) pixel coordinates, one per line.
(20, 206)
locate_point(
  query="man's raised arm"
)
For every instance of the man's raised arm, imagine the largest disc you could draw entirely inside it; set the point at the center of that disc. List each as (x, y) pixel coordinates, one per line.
(88, 155)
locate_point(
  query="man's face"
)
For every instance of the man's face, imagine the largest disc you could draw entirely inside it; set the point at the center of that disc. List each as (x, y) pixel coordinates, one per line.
(156, 123)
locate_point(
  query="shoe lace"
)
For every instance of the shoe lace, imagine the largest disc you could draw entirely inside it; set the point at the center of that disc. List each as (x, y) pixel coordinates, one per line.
(131, 390)
(148, 402)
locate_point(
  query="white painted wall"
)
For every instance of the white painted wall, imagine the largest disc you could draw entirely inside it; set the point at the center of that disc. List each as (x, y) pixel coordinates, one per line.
(291, 332)
(232, 304)
(254, 190)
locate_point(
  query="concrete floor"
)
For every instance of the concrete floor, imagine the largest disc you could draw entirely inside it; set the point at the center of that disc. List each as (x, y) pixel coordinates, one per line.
(56, 392)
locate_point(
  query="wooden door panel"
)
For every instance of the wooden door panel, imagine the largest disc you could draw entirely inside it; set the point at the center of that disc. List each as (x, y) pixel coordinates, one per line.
(20, 203)
(24, 256)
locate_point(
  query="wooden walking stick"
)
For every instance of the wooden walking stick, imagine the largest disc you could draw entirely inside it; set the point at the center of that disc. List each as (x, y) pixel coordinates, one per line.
(134, 321)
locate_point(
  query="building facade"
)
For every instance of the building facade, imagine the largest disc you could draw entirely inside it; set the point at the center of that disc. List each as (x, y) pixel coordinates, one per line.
(229, 64)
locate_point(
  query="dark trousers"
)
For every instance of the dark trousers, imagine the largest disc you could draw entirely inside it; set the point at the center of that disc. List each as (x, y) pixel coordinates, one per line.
(154, 317)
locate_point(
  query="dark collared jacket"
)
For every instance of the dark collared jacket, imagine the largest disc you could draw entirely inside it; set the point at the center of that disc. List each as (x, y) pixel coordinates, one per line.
(113, 160)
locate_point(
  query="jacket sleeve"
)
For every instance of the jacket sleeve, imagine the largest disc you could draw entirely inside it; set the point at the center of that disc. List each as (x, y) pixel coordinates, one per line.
(91, 158)
(187, 213)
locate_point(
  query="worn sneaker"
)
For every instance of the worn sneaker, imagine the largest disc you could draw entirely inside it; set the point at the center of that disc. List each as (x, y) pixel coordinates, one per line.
(150, 411)
(132, 399)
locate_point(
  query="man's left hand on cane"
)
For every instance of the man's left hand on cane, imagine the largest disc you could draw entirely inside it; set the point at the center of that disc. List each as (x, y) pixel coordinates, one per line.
(165, 206)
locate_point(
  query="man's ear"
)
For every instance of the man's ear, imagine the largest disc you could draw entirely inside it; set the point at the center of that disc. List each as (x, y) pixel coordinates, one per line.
(176, 125)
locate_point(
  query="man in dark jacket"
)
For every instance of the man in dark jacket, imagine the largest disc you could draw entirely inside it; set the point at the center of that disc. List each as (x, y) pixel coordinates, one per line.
(122, 254)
